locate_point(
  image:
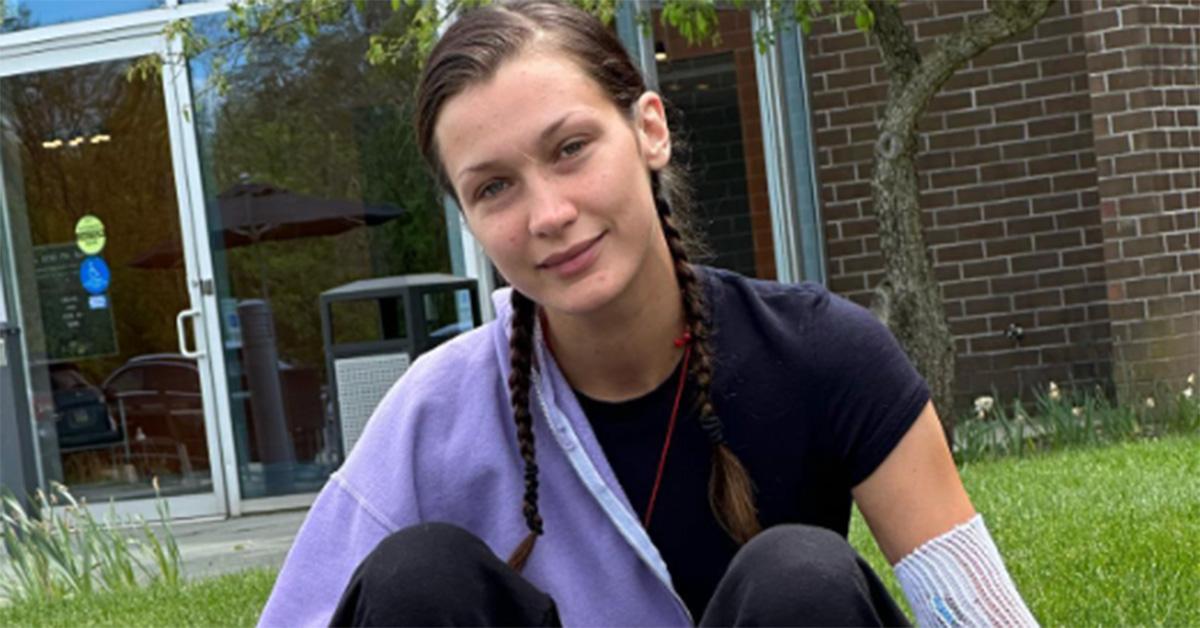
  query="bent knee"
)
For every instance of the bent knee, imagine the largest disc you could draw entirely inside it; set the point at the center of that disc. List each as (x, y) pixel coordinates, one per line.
(809, 566)
(800, 550)
(417, 553)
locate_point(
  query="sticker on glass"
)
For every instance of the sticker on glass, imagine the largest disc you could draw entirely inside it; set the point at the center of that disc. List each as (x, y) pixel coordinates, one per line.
(94, 275)
(89, 235)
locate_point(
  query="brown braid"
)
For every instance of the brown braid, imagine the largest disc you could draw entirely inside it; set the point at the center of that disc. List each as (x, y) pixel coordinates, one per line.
(520, 346)
(730, 492)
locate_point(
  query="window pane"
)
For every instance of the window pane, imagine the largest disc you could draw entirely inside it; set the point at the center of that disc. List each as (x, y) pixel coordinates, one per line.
(712, 91)
(90, 196)
(313, 180)
(20, 15)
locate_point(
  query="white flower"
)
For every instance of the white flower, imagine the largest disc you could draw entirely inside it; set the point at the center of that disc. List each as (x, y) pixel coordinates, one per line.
(1150, 402)
(984, 405)
(1077, 411)
(1187, 392)
(1191, 379)
(1054, 394)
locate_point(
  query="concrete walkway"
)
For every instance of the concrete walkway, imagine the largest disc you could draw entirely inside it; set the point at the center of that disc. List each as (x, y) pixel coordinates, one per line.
(219, 546)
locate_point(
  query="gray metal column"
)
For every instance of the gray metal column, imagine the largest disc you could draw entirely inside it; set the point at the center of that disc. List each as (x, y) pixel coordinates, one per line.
(18, 467)
(804, 159)
(638, 42)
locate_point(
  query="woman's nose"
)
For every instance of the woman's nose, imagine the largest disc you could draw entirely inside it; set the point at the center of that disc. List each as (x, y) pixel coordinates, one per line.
(550, 212)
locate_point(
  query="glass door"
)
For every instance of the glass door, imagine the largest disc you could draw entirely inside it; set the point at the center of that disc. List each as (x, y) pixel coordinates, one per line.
(104, 267)
(312, 181)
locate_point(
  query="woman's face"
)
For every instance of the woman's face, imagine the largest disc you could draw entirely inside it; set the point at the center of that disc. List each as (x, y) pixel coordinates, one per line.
(553, 179)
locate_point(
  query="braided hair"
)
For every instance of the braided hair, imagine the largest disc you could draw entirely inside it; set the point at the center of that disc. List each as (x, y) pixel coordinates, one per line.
(470, 52)
(520, 349)
(730, 494)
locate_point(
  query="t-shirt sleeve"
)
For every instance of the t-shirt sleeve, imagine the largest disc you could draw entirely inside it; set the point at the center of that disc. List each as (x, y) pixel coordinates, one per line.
(872, 393)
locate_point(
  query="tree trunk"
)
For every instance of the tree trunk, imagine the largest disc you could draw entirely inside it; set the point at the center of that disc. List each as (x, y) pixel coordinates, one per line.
(909, 299)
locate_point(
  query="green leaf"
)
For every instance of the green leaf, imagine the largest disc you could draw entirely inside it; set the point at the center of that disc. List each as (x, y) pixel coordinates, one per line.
(695, 20)
(864, 19)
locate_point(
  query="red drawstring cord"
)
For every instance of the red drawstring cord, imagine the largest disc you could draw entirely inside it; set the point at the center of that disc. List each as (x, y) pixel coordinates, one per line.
(685, 339)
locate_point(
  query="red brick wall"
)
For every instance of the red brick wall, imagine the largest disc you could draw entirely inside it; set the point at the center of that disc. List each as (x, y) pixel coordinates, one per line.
(1144, 68)
(1008, 188)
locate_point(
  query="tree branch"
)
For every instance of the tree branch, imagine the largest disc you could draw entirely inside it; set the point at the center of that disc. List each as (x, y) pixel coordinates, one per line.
(895, 42)
(1006, 18)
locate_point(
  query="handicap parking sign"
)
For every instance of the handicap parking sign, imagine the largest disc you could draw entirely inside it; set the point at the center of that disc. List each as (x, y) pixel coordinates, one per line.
(94, 275)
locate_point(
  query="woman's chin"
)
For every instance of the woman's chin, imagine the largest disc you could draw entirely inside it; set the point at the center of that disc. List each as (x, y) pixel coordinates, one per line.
(587, 295)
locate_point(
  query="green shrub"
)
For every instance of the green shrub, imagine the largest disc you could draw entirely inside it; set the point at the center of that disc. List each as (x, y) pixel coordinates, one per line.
(60, 549)
(1061, 419)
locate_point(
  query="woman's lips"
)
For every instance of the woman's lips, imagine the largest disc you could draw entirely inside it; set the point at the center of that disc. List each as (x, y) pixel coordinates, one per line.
(574, 259)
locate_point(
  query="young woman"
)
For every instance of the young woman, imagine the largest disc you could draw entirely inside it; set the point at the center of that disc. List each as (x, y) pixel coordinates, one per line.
(647, 442)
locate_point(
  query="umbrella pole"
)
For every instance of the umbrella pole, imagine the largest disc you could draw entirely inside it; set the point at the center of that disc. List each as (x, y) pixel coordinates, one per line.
(262, 268)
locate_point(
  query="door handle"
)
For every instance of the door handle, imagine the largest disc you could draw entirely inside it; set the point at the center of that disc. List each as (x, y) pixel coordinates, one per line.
(179, 327)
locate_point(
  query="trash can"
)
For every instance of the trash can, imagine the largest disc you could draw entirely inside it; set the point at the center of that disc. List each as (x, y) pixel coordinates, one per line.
(18, 467)
(374, 329)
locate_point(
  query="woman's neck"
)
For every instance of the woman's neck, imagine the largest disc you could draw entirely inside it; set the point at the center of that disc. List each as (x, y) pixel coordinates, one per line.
(627, 349)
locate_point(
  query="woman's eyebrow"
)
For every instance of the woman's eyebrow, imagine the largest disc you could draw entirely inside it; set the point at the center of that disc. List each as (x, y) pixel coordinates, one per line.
(483, 165)
(553, 127)
(543, 137)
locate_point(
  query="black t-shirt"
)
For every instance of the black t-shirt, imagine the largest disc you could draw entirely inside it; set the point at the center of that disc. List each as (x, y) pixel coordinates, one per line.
(813, 392)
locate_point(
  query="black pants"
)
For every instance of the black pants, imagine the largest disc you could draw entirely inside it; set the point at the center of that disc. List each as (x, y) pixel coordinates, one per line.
(788, 575)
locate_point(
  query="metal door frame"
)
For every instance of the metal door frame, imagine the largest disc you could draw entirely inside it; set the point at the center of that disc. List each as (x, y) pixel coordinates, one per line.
(129, 36)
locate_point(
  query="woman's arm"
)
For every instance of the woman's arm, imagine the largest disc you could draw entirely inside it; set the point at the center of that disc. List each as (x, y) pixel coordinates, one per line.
(915, 494)
(939, 547)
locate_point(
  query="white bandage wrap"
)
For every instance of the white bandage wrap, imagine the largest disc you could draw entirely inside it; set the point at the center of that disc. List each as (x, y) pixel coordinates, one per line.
(959, 579)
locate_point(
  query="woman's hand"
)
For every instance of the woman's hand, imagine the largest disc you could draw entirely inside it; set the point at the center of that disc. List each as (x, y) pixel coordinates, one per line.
(916, 494)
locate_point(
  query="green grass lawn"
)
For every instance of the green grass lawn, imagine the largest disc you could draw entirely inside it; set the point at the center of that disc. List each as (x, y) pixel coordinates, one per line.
(1107, 536)
(231, 600)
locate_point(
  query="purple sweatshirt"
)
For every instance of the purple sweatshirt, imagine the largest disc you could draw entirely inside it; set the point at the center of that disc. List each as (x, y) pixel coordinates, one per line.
(441, 446)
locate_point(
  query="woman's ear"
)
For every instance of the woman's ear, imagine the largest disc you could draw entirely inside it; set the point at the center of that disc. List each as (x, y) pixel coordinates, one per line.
(653, 133)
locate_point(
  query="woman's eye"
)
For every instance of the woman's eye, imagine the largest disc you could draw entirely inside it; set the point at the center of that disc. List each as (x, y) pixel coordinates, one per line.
(572, 148)
(490, 189)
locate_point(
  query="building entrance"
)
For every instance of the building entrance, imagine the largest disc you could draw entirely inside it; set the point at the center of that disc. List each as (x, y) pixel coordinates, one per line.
(101, 268)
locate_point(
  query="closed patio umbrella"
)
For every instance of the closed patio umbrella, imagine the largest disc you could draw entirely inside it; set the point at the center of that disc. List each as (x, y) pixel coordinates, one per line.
(249, 213)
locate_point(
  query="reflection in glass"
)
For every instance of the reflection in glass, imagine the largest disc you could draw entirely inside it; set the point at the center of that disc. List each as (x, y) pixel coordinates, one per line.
(314, 181)
(16, 15)
(88, 184)
(447, 314)
(713, 96)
